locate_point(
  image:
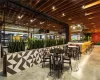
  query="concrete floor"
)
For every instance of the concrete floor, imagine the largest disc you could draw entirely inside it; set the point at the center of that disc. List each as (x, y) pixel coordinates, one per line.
(88, 69)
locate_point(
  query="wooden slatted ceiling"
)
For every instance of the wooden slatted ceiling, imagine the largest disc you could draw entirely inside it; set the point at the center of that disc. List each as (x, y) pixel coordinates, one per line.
(72, 9)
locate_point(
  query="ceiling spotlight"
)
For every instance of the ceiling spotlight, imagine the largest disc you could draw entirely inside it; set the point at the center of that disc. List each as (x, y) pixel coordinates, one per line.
(92, 23)
(79, 25)
(86, 14)
(31, 20)
(91, 17)
(70, 19)
(41, 22)
(53, 8)
(83, 7)
(74, 27)
(19, 17)
(63, 14)
(53, 26)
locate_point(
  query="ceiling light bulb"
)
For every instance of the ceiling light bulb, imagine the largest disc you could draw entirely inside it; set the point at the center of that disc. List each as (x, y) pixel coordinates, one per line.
(41, 22)
(19, 17)
(74, 27)
(91, 18)
(86, 14)
(92, 23)
(53, 8)
(63, 14)
(31, 20)
(70, 19)
(83, 7)
(79, 25)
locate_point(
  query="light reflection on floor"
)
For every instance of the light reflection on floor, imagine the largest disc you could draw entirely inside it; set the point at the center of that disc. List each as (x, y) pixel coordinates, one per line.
(78, 74)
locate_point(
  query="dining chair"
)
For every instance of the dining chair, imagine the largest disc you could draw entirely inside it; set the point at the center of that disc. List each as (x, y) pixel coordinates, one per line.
(67, 57)
(45, 58)
(56, 64)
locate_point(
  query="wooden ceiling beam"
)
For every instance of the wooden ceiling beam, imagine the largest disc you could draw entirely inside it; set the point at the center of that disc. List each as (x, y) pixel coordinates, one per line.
(42, 10)
(63, 8)
(43, 4)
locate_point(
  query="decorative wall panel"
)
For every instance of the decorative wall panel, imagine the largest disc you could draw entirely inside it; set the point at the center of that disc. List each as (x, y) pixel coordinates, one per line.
(19, 61)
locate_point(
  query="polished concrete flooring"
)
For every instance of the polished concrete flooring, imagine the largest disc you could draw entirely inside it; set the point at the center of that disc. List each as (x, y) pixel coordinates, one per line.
(87, 68)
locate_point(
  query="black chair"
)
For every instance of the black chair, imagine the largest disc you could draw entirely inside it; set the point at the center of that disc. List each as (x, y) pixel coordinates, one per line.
(46, 58)
(67, 57)
(79, 50)
(56, 64)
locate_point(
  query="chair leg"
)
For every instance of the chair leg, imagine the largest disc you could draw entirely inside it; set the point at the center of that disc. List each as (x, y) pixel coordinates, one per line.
(70, 65)
(58, 73)
(43, 64)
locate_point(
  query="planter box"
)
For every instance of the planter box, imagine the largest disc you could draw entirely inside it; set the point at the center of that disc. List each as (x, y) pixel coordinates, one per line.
(18, 61)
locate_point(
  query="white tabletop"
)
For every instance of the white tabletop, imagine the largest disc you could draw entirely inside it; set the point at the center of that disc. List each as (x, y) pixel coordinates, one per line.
(72, 46)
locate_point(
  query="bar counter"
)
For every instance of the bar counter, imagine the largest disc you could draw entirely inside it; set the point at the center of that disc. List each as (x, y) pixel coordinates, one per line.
(83, 45)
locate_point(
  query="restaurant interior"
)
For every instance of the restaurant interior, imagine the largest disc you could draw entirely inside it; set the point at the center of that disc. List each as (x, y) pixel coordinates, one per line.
(49, 39)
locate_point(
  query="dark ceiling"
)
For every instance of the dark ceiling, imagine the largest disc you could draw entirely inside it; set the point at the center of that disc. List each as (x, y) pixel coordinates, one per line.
(67, 11)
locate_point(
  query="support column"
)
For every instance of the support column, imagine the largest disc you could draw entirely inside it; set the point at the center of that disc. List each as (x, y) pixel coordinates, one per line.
(28, 32)
(67, 33)
(0, 41)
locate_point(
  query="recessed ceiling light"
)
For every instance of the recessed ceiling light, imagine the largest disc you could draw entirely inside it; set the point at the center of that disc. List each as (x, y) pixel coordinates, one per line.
(41, 22)
(31, 20)
(70, 19)
(91, 17)
(92, 23)
(53, 8)
(86, 14)
(74, 27)
(19, 17)
(79, 25)
(53, 26)
(63, 14)
(83, 7)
